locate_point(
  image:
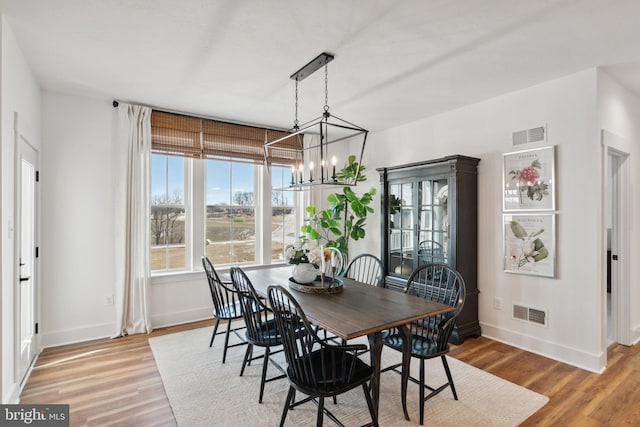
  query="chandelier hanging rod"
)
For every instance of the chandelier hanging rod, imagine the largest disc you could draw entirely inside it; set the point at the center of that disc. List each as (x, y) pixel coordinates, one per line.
(314, 65)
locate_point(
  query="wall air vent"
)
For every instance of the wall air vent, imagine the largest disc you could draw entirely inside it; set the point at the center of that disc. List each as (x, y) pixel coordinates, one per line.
(528, 314)
(527, 136)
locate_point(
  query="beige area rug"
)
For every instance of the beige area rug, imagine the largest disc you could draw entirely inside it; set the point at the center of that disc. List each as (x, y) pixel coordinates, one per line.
(204, 392)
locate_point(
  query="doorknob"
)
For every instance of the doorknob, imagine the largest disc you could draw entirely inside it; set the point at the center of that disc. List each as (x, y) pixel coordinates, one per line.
(614, 257)
(24, 279)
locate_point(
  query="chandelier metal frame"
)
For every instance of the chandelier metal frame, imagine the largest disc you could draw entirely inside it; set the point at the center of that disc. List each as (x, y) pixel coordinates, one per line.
(320, 133)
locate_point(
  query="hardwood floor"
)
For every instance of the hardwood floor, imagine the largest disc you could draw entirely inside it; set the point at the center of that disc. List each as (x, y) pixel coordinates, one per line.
(116, 383)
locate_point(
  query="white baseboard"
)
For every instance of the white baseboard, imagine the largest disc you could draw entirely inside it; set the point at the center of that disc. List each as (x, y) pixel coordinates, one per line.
(71, 336)
(13, 397)
(578, 358)
(635, 335)
(179, 317)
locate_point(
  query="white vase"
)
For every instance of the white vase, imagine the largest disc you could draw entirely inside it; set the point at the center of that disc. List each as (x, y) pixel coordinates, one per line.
(304, 272)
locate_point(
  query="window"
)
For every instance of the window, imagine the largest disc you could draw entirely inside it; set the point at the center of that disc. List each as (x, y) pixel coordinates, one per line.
(284, 224)
(231, 212)
(167, 213)
(211, 194)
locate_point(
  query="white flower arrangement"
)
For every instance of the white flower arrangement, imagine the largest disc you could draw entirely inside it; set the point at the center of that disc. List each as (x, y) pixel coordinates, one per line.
(304, 250)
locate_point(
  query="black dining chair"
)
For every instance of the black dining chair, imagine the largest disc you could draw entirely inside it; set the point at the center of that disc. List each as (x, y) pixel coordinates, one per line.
(365, 268)
(431, 251)
(261, 327)
(316, 368)
(226, 306)
(429, 336)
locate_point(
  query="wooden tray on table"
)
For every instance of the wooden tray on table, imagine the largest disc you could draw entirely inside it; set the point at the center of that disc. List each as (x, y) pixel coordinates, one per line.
(331, 286)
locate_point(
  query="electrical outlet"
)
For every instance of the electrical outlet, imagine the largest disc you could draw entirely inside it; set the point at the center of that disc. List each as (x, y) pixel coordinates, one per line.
(108, 299)
(497, 303)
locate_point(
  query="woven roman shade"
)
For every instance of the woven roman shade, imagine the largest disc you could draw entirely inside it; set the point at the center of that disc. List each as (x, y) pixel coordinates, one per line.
(186, 136)
(175, 134)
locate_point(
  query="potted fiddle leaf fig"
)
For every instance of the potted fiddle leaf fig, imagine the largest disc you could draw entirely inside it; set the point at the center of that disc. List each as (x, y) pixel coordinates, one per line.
(346, 215)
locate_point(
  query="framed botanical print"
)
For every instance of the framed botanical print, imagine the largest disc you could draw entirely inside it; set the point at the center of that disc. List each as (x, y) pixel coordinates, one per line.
(530, 244)
(529, 180)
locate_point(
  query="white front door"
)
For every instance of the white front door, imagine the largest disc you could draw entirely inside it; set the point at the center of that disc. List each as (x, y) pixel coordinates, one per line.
(26, 238)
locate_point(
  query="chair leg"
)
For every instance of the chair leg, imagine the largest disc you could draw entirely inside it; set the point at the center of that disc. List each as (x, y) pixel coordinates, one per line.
(449, 377)
(421, 388)
(287, 402)
(372, 412)
(215, 330)
(250, 356)
(265, 362)
(320, 411)
(226, 341)
(247, 356)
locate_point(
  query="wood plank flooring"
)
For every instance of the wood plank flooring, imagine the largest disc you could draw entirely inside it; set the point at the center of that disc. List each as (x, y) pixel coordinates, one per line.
(115, 382)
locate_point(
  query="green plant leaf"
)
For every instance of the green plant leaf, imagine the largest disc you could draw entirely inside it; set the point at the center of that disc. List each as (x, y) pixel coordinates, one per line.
(537, 233)
(542, 254)
(518, 230)
(538, 244)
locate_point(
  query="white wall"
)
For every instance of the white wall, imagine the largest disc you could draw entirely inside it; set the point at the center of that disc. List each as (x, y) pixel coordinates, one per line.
(77, 225)
(573, 299)
(619, 114)
(78, 252)
(19, 92)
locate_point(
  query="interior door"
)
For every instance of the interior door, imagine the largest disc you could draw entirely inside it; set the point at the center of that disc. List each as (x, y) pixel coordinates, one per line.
(617, 316)
(26, 226)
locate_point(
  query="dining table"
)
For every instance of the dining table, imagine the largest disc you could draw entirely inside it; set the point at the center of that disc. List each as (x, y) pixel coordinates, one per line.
(358, 310)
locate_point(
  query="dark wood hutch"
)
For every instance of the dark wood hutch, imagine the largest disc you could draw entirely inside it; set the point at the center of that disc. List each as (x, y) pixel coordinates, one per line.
(429, 213)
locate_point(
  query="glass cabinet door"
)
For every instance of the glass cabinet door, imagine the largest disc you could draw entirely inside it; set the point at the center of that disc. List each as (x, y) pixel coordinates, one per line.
(418, 224)
(433, 232)
(401, 227)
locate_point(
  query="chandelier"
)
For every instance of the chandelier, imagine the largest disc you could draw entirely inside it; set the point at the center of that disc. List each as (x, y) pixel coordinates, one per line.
(312, 149)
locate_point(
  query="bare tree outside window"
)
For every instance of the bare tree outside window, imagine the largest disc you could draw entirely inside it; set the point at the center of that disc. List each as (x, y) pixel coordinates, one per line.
(167, 219)
(167, 213)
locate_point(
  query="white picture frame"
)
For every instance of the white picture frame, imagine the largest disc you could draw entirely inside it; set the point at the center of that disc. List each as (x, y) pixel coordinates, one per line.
(528, 180)
(530, 244)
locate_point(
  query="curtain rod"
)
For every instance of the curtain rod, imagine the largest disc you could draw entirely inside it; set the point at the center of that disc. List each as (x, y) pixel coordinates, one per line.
(116, 103)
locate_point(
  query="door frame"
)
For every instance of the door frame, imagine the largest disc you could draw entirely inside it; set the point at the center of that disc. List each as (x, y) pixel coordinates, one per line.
(620, 244)
(23, 134)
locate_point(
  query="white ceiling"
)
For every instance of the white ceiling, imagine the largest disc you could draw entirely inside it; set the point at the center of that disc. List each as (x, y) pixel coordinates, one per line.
(395, 61)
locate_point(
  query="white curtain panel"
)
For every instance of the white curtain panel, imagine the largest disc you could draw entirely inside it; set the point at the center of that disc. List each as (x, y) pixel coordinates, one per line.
(132, 219)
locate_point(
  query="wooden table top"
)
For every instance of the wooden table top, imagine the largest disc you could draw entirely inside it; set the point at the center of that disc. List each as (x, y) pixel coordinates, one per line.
(358, 310)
